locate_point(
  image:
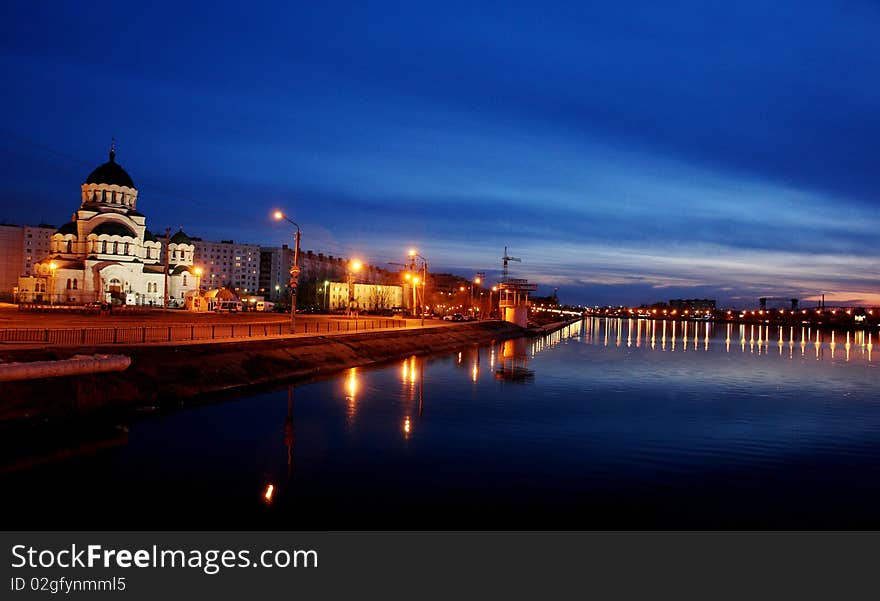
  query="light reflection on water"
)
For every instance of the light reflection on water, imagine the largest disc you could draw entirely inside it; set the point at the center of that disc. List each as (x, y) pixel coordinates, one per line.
(605, 423)
(663, 335)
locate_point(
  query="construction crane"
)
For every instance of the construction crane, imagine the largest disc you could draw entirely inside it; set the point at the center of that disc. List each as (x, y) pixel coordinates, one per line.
(504, 262)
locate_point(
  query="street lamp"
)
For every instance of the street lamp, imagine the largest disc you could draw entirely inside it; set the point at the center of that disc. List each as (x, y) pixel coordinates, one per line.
(52, 268)
(198, 272)
(294, 271)
(353, 267)
(415, 289)
(326, 304)
(476, 282)
(491, 307)
(413, 254)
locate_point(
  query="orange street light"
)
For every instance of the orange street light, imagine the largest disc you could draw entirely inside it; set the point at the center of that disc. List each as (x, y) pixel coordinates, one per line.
(353, 267)
(294, 271)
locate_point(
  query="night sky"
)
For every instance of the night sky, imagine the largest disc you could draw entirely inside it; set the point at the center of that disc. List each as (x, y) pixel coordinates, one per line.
(628, 153)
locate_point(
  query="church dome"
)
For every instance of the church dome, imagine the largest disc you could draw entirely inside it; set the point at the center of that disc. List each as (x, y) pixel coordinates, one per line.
(110, 173)
(180, 238)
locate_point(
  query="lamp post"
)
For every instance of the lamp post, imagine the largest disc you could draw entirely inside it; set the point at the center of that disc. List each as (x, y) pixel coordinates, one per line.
(294, 271)
(198, 272)
(415, 288)
(476, 282)
(353, 266)
(52, 268)
(413, 254)
(326, 303)
(491, 307)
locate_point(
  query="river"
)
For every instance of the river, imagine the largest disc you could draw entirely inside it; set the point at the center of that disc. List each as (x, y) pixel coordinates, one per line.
(605, 424)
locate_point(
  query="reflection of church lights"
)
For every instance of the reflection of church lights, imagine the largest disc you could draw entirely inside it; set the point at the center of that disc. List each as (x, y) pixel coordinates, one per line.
(270, 490)
(407, 427)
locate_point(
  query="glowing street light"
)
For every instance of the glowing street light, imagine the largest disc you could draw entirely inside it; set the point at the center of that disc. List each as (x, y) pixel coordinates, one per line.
(52, 268)
(413, 255)
(353, 267)
(294, 271)
(476, 282)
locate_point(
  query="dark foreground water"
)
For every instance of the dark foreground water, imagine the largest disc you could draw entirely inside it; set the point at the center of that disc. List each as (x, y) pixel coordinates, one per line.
(606, 424)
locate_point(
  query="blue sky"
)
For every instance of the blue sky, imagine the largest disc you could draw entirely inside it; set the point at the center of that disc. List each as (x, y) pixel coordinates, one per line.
(628, 154)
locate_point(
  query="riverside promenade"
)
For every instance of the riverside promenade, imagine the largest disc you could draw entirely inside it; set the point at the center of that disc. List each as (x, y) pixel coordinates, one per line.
(174, 371)
(62, 327)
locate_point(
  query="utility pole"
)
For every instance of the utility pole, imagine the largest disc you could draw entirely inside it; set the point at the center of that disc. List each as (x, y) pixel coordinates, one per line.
(167, 242)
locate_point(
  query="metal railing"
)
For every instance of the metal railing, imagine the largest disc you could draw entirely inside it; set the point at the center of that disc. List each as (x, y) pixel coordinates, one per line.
(186, 332)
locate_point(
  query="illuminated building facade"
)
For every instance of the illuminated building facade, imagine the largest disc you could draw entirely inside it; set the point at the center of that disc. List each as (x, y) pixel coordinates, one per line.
(106, 253)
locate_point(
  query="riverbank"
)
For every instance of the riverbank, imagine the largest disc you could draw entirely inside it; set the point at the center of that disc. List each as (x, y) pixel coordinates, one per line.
(161, 374)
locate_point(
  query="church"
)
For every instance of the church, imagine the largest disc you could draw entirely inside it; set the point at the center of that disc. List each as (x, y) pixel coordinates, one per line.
(106, 254)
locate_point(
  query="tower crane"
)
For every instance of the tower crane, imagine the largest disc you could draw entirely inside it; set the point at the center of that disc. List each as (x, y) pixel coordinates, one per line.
(504, 262)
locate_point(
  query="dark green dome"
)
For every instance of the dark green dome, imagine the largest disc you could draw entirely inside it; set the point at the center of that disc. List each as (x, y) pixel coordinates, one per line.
(180, 238)
(110, 173)
(67, 228)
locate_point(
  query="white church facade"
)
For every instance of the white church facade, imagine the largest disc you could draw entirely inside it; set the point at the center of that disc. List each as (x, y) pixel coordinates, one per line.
(106, 254)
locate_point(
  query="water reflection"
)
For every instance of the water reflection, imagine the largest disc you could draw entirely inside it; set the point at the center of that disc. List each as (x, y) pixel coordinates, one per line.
(288, 431)
(515, 355)
(412, 373)
(692, 423)
(753, 339)
(351, 389)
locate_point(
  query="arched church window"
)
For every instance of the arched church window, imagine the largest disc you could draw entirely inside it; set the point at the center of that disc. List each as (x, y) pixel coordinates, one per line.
(69, 245)
(115, 248)
(74, 283)
(126, 248)
(184, 279)
(69, 284)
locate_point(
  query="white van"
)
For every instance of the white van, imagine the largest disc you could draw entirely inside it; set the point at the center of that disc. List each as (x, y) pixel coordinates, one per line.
(229, 305)
(265, 306)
